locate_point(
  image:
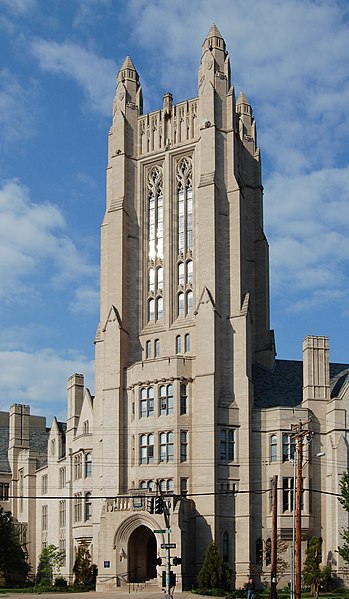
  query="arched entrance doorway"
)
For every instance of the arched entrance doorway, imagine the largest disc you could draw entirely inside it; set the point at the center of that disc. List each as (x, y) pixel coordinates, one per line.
(141, 554)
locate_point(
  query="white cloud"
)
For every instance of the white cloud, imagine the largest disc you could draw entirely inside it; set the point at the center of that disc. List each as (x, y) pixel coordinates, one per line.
(18, 7)
(32, 237)
(90, 11)
(94, 74)
(86, 300)
(308, 222)
(40, 379)
(17, 110)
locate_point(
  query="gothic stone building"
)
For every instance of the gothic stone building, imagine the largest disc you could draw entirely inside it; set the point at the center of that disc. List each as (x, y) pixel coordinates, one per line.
(189, 398)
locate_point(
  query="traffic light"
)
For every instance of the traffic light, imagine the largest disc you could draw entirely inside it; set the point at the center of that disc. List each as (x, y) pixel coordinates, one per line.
(177, 561)
(150, 505)
(158, 561)
(159, 508)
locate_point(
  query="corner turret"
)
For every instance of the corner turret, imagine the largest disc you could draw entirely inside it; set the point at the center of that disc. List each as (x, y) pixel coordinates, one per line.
(247, 126)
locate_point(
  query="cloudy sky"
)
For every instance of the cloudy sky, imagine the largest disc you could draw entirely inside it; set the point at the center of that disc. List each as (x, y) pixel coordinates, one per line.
(58, 64)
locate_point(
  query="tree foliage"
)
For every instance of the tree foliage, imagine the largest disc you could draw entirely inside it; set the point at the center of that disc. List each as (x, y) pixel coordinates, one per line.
(312, 572)
(50, 562)
(344, 500)
(83, 567)
(214, 572)
(13, 563)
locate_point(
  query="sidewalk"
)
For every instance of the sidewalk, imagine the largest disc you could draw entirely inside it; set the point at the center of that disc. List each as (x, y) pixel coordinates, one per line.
(117, 594)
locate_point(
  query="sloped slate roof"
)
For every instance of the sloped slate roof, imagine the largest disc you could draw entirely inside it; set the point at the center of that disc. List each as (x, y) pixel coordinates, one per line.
(283, 385)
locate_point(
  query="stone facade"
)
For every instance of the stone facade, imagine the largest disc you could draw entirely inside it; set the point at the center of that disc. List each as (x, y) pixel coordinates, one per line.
(189, 399)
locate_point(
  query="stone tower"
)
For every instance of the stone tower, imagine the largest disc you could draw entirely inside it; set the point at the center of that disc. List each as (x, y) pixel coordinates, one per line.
(184, 313)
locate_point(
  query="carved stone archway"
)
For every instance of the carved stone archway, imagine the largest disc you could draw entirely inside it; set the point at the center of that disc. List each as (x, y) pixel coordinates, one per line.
(141, 555)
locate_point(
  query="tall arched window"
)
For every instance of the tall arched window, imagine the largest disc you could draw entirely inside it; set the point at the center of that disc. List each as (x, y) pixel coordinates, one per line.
(273, 448)
(184, 236)
(155, 232)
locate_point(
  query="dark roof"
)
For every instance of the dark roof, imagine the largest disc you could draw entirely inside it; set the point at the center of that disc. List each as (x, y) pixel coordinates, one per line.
(282, 386)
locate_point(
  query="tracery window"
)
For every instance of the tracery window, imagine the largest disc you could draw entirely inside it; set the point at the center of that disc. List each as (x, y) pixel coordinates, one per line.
(184, 237)
(155, 225)
(77, 507)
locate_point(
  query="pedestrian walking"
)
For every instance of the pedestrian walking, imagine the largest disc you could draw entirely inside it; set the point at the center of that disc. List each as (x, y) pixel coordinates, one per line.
(250, 588)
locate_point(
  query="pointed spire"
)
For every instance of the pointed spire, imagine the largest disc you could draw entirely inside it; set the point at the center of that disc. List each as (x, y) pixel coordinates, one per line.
(214, 32)
(214, 39)
(242, 105)
(128, 71)
(242, 99)
(128, 64)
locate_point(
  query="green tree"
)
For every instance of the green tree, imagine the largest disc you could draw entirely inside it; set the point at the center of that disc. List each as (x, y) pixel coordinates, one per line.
(312, 572)
(50, 562)
(214, 572)
(83, 568)
(344, 500)
(13, 563)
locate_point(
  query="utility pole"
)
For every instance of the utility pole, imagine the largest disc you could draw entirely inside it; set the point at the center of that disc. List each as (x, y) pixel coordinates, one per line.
(299, 432)
(273, 592)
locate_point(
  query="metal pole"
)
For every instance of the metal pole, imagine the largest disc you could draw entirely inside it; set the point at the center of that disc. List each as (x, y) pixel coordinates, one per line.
(298, 562)
(273, 593)
(168, 550)
(293, 526)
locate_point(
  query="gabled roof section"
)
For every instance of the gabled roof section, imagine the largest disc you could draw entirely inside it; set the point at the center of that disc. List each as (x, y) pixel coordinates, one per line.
(283, 386)
(113, 315)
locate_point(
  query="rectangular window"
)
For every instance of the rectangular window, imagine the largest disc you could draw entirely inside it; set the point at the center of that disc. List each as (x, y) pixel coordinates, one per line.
(62, 548)
(20, 488)
(288, 447)
(287, 494)
(146, 402)
(44, 482)
(183, 399)
(184, 487)
(273, 448)
(4, 491)
(166, 447)
(44, 517)
(62, 477)
(147, 449)
(62, 514)
(78, 466)
(88, 506)
(184, 446)
(88, 465)
(227, 445)
(166, 400)
(77, 507)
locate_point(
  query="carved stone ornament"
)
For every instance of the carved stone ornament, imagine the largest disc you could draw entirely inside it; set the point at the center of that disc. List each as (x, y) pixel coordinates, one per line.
(154, 179)
(184, 172)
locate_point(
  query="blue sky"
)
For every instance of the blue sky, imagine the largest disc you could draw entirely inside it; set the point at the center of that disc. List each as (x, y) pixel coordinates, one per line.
(58, 64)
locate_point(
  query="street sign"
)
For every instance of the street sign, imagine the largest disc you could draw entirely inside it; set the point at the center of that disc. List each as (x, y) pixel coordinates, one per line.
(168, 545)
(159, 531)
